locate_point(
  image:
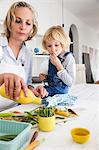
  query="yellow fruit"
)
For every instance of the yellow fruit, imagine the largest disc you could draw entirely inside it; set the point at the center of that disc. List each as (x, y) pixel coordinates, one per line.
(31, 98)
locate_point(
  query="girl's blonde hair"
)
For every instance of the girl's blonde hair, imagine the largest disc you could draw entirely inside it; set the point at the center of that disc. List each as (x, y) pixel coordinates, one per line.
(10, 16)
(56, 33)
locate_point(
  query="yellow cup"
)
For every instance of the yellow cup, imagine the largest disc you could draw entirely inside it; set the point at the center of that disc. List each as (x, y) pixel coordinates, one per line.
(80, 135)
(46, 123)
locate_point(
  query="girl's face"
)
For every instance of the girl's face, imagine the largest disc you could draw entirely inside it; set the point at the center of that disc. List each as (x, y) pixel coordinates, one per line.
(54, 47)
(22, 25)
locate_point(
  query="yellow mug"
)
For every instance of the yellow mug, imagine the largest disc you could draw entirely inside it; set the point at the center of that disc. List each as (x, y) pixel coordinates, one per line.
(46, 123)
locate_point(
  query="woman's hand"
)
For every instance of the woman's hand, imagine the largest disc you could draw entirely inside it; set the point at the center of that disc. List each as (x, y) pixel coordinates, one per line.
(39, 91)
(13, 83)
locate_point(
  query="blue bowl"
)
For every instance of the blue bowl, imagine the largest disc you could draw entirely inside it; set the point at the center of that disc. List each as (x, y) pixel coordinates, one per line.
(36, 50)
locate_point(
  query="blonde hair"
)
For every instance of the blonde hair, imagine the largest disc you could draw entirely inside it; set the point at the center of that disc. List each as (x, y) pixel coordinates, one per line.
(56, 33)
(10, 16)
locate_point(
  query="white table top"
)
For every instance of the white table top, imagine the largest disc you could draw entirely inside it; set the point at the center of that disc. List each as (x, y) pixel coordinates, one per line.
(87, 107)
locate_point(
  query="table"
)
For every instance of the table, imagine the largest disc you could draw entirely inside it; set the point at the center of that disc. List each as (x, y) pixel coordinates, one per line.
(87, 107)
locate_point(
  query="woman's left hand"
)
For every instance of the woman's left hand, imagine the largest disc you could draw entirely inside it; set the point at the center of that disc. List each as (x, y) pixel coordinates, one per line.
(40, 91)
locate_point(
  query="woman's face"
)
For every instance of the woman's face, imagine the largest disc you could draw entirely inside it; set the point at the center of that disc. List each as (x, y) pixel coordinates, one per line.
(22, 25)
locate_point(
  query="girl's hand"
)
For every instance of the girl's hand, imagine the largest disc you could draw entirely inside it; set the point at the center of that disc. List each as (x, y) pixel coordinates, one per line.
(42, 76)
(14, 83)
(55, 61)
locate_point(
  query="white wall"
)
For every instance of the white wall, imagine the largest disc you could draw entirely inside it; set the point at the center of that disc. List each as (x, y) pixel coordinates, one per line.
(87, 36)
(50, 13)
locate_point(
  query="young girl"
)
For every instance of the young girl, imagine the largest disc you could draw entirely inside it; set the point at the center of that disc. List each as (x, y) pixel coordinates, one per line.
(15, 60)
(61, 71)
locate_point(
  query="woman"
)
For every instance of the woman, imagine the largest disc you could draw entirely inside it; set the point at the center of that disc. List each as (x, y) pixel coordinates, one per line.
(15, 60)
